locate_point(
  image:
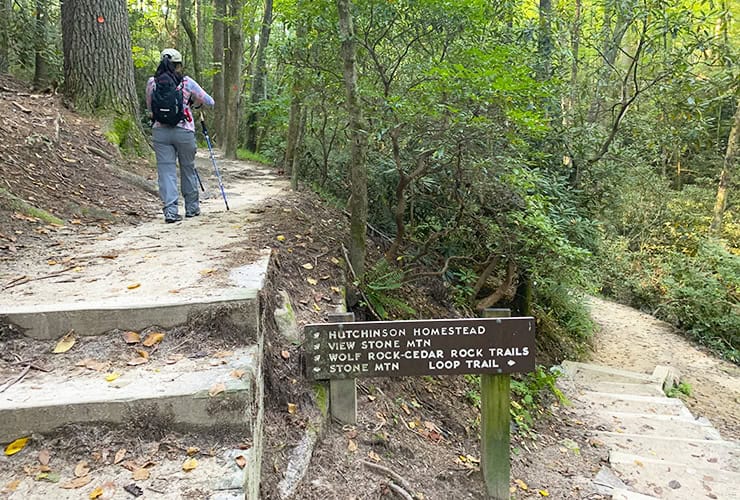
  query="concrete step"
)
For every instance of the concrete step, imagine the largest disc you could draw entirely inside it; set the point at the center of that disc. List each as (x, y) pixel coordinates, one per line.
(597, 373)
(698, 453)
(636, 389)
(673, 480)
(155, 300)
(628, 403)
(167, 395)
(225, 467)
(666, 426)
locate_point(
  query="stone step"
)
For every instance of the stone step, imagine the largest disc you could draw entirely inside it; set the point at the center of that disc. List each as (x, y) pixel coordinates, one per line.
(154, 301)
(673, 480)
(628, 403)
(666, 426)
(700, 453)
(596, 373)
(166, 395)
(636, 389)
(225, 468)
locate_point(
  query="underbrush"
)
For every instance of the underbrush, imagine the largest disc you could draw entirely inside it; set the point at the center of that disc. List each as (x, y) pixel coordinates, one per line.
(698, 291)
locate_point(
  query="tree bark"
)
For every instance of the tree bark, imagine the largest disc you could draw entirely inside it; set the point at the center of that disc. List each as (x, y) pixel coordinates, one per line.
(260, 74)
(6, 23)
(232, 79)
(544, 42)
(98, 66)
(728, 166)
(41, 66)
(218, 67)
(184, 8)
(358, 172)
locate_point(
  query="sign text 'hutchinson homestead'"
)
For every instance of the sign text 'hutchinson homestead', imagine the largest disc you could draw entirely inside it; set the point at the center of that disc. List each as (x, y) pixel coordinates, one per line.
(429, 347)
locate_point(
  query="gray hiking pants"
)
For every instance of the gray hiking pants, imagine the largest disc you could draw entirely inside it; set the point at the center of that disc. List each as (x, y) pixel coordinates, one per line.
(172, 144)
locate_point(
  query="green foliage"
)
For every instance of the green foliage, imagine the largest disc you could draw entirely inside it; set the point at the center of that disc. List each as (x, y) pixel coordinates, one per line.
(682, 389)
(244, 154)
(123, 133)
(530, 395)
(381, 286)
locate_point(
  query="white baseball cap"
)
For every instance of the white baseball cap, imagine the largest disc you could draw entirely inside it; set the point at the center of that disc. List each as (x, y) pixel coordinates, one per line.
(173, 55)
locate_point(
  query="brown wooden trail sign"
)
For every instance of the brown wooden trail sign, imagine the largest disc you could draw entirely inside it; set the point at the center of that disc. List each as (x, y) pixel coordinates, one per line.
(428, 347)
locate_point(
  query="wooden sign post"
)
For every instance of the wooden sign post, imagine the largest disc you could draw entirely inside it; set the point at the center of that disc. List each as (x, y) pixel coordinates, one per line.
(493, 346)
(494, 426)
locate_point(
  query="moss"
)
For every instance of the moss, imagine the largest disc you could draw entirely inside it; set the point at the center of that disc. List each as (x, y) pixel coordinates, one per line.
(322, 398)
(26, 208)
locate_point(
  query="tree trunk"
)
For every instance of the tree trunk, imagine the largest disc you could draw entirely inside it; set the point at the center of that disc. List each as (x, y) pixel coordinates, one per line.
(98, 66)
(41, 67)
(544, 42)
(218, 68)
(200, 32)
(6, 23)
(184, 13)
(260, 74)
(358, 172)
(731, 156)
(296, 103)
(232, 79)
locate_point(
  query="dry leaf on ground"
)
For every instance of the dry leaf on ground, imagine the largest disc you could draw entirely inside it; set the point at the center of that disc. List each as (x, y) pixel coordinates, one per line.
(131, 337)
(140, 474)
(307, 266)
(77, 482)
(133, 286)
(241, 461)
(96, 493)
(16, 446)
(238, 373)
(44, 457)
(292, 408)
(65, 343)
(112, 376)
(352, 445)
(82, 469)
(217, 389)
(119, 456)
(189, 464)
(92, 364)
(11, 486)
(153, 338)
(138, 360)
(285, 354)
(192, 450)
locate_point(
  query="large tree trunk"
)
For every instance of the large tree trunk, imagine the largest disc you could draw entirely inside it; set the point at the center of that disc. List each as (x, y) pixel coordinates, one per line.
(219, 95)
(185, 15)
(260, 74)
(98, 67)
(358, 172)
(728, 166)
(544, 42)
(296, 103)
(232, 79)
(41, 68)
(6, 23)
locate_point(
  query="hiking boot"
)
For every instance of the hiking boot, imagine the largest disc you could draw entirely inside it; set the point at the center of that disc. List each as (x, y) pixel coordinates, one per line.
(196, 213)
(169, 219)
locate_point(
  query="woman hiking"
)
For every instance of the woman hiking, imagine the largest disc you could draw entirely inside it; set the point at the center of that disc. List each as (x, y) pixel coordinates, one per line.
(169, 96)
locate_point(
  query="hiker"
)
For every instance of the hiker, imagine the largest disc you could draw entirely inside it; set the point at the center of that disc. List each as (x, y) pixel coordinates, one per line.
(169, 96)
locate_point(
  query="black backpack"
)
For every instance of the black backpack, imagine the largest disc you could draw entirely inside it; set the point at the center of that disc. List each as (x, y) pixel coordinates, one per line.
(167, 100)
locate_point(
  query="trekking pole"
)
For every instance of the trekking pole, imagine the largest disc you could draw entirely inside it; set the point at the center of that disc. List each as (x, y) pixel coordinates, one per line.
(199, 181)
(215, 167)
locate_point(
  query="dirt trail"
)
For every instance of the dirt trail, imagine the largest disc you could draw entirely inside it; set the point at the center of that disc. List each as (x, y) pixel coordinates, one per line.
(635, 341)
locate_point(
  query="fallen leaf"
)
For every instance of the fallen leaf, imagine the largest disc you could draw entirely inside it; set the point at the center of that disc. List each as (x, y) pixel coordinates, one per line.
(223, 354)
(130, 465)
(189, 464)
(92, 364)
(374, 456)
(52, 262)
(312, 281)
(206, 272)
(543, 493)
(119, 456)
(142, 353)
(138, 360)
(285, 354)
(217, 389)
(112, 376)
(131, 337)
(82, 469)
(133, 489)
(307, 266)
(16, 446)
(639, 464)
(334, 260)
(335, 289)
(44, 456)
(44, 468)
(280, 237)
(133, 286)
(192, 450)
(77, 482)
(65, 343)
(49, 477)
(11, 486)
(521, 484)
(140, 474)
(153, 338)
(241, 461)
(292, 408)
(352, 446)
(238, 373)
(96, 493)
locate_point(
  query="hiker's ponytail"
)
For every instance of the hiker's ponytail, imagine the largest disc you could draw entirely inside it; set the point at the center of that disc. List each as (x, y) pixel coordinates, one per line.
(167, 66)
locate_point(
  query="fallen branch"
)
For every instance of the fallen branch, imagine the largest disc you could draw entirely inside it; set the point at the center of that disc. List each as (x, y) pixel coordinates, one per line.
(25, 110)
(99, 152)
(391, 474)
(28, 280)
(17, 379)
(400, 491)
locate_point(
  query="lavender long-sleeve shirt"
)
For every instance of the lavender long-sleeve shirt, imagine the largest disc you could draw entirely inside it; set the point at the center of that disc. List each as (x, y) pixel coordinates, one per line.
(190, 91)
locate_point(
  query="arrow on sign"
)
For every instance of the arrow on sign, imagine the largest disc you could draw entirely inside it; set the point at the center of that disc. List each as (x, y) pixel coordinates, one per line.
(317, 357)
(511, 362)
(316, 347)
